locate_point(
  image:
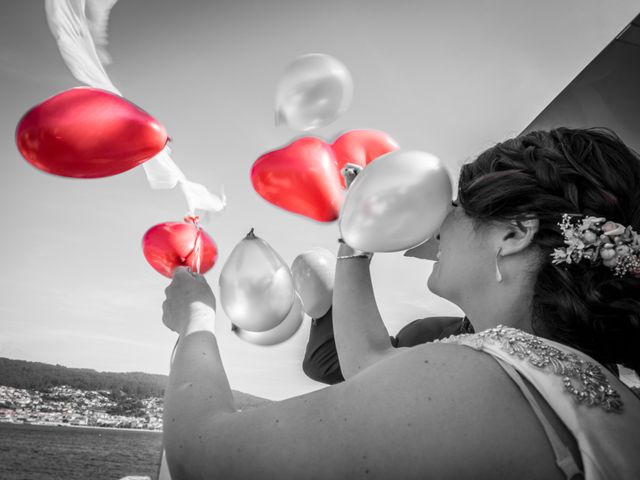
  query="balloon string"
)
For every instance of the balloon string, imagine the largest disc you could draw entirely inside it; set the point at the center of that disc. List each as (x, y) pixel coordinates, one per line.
(197, 244)
(197, 248)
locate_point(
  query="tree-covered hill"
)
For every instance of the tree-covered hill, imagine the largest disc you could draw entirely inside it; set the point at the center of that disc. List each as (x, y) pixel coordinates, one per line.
(41, 376)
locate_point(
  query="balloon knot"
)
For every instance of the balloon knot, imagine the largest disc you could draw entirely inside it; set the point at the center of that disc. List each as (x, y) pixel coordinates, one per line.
(251, 234)
(192, 219)
(349, 172)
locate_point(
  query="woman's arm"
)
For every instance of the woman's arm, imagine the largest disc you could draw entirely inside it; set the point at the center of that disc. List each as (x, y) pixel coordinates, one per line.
(406, 417)
(361, 336)
(198, 386)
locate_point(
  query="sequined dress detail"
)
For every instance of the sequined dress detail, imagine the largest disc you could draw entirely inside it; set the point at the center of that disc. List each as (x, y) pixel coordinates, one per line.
(584, 380)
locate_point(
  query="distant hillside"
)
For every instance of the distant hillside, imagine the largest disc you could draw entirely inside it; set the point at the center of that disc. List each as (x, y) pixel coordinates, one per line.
(41, 376)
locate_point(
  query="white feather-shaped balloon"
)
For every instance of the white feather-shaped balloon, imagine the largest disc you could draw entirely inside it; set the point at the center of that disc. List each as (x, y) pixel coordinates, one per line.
(80, 29)
(70, 28)
(97, 12)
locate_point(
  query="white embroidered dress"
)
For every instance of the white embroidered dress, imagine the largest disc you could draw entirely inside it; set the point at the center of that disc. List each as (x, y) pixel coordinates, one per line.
(600, 411)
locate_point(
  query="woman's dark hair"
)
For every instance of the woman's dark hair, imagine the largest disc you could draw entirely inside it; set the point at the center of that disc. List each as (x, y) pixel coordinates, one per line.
(544, 174)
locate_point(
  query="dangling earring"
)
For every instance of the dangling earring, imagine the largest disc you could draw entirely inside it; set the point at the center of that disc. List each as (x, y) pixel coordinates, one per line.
(498, 274)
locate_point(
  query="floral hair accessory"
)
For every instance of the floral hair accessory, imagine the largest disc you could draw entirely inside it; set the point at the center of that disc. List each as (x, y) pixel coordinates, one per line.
(601, 242)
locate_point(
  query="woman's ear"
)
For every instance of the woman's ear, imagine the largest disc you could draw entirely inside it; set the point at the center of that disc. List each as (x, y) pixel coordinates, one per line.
(518, 236)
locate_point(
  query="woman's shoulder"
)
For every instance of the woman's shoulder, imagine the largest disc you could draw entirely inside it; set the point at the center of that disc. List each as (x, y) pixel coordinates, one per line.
(580, 395)
(465, 399)
(417, 412)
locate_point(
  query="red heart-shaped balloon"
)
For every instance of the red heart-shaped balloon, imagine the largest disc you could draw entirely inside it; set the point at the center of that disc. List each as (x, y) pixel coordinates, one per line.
(302, 178)
(361, 147)
(169, 245)
(88, 133)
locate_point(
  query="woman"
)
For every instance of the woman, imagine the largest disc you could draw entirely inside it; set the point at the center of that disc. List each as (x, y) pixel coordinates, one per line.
(531, 399)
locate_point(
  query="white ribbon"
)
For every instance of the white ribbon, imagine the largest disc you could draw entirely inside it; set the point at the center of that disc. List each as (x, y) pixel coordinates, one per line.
(80, 29)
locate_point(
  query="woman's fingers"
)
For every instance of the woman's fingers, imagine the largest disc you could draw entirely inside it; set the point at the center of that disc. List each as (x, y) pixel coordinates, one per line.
(181, 272)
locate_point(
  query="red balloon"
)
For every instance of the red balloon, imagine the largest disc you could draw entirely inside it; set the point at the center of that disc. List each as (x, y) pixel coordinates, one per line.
(88, 133)
(361, 147)
(302, 177)
(169, 245)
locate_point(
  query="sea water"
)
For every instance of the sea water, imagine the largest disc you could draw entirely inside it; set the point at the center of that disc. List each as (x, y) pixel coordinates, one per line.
(37, 452)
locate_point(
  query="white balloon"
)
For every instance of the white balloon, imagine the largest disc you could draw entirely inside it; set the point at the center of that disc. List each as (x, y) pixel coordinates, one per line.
(313, 273)
(256, 288)
(426, 251)
(280, 333)
(313, 91)
(397, 202)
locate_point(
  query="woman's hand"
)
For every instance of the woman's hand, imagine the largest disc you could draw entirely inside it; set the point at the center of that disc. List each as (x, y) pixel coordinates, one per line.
(190, 305)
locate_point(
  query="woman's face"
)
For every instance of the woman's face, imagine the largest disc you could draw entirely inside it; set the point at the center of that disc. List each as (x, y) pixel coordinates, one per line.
(466, 261)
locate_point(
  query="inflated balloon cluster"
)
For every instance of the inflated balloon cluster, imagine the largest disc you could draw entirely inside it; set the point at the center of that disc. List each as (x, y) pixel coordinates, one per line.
(397, 201)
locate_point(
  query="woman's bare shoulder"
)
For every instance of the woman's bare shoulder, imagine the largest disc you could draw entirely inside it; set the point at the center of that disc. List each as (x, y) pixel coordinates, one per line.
(441, 409)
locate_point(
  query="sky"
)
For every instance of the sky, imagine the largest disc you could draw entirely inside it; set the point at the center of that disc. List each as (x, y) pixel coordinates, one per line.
(449, 78)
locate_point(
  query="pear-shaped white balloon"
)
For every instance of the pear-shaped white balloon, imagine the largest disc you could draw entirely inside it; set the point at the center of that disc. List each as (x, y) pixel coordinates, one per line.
(256, 288)
(313, 273)
(278, 334)
(396, 202)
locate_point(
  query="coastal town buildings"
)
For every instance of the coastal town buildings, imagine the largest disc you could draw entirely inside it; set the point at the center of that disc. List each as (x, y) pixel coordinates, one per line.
(63, 405)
